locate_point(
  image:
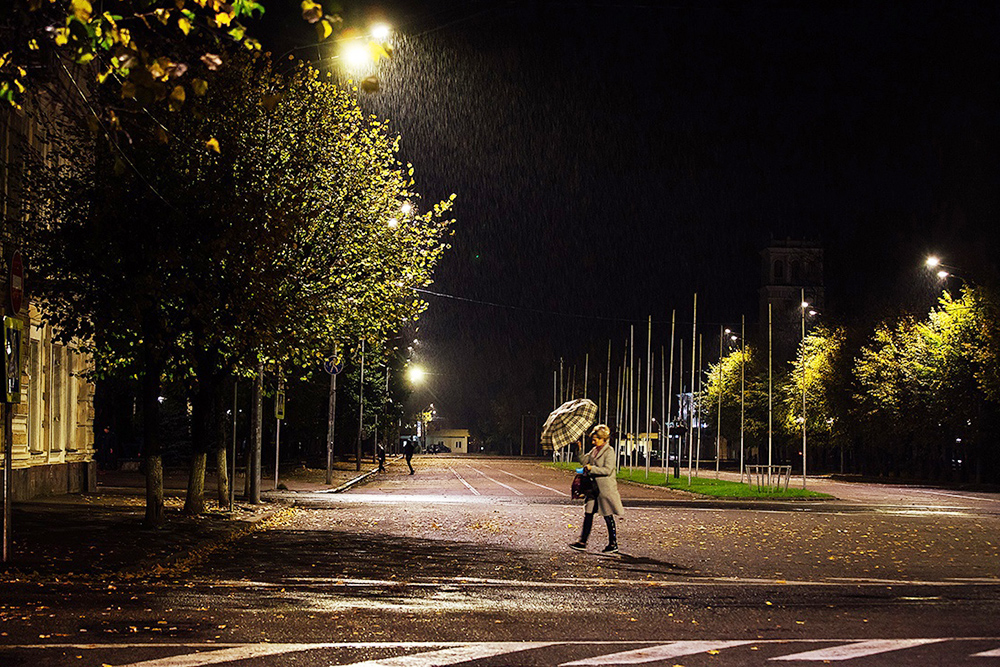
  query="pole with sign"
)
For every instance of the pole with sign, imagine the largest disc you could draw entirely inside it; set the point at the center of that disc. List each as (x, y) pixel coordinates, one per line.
(279, 414)
(333, 365)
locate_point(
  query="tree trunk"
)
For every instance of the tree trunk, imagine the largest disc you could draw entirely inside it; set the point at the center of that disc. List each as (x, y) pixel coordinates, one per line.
(152, 451)
(194, 504)
(258, 433)
(221, 460)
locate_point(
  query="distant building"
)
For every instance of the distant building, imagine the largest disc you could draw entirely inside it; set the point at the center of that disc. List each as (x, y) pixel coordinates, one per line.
(789, 268)
(454, 440)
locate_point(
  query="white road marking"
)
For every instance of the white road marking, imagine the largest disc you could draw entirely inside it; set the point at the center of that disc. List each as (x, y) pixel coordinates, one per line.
(954, 495)
(541, 486)
(592, 582)
(654, 653)
(859, 649)
(450, 653)
(462, 480)
(225, 655)
(496, 481)
(451, 656)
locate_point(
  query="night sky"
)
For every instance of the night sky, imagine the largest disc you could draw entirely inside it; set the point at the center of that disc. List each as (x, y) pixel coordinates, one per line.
(610, 159)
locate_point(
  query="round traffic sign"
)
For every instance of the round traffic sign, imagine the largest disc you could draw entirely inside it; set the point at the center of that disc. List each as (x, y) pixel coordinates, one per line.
(333, 365)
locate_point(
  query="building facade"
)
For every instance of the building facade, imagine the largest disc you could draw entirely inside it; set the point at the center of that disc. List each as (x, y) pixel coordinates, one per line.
(52, 447)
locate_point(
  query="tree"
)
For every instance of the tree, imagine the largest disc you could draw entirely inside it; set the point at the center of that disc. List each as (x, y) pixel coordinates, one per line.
(927, 389)
(270, 250)
(817, 370)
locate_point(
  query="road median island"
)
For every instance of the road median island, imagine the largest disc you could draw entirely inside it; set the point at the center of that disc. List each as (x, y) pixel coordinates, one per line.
(705, 487)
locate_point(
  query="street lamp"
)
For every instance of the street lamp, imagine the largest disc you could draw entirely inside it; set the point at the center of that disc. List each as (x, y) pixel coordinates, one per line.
(941, 270)
(416, 374)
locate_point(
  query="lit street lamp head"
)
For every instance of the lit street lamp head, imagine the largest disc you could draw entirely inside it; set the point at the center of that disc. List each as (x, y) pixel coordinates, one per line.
(416, 374)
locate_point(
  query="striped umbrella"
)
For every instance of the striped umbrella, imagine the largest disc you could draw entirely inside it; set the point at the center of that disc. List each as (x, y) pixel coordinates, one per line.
(569, 422)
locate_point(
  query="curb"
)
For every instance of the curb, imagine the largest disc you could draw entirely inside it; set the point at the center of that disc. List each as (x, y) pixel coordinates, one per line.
(350, 483)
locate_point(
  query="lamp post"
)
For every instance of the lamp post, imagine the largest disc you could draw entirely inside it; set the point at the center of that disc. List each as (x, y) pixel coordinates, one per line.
(806, 310)
(804, 305)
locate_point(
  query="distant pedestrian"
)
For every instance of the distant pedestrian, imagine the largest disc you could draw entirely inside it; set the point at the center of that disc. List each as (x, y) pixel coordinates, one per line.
(106, 445)
(599, 462)
(408, 454)
(380, 451)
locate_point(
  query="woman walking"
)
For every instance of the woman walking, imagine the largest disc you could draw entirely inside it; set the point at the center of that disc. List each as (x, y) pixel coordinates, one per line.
(599, 463)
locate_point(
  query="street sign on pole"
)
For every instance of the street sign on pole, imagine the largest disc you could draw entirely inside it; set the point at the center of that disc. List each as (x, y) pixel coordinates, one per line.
(333, 365)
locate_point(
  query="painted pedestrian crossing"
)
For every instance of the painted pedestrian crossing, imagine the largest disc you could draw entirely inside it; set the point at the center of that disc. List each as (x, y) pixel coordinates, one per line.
(952, 650)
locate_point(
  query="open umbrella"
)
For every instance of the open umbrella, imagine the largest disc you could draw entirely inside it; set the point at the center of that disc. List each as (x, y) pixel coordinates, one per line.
(567, 423)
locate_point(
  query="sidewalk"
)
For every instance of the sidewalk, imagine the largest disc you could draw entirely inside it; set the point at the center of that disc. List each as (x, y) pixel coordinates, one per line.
(100, 536)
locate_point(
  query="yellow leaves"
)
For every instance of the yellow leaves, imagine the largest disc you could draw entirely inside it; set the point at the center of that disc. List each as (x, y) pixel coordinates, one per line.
(82, 10)
(211, 61)
(177, 98)
(223, 19)
(184, 24)
(213, 145)
(378, 51)
(162, 15)
(311, 11)
(162, 68)
(199, 86)
(61, 36)
(33, 45)
(270, 101)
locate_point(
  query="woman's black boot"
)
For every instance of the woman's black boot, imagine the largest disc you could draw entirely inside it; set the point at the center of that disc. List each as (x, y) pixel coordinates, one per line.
(588, 523)
(612, 547)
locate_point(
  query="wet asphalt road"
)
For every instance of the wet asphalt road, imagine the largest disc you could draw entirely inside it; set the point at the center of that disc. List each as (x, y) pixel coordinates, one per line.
(466, 563)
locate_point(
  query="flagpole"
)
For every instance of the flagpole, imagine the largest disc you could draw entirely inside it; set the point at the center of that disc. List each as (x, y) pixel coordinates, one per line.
(649, 391)
(607, 387)
(694, 355)
(701, 359)
(670, 391)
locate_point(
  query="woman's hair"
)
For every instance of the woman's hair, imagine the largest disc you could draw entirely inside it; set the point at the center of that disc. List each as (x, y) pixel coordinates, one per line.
(601, 431)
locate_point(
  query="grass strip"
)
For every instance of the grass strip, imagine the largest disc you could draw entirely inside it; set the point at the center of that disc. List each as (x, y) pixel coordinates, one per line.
(714, 488)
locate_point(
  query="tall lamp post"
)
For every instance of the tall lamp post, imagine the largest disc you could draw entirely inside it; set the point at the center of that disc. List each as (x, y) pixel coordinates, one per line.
(806, 310)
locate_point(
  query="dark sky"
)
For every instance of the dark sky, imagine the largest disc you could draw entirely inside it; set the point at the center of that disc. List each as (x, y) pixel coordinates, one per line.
(610, 159)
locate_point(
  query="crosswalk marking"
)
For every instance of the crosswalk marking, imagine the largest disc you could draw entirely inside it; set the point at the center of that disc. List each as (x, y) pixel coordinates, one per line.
(653, 653)
(859, 649)
(430, 654)
(454, 655)
(225, 655)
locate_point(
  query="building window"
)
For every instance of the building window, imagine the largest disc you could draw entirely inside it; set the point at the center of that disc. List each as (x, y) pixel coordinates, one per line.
(779, 271)
(58, 371)
(36, 381)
